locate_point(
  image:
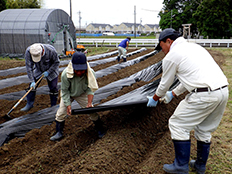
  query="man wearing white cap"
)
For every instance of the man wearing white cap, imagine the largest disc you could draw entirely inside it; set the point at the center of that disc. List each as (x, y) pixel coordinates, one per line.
(42, 59)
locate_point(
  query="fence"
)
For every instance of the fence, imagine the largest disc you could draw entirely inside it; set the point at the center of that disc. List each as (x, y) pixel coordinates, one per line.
(108, 42)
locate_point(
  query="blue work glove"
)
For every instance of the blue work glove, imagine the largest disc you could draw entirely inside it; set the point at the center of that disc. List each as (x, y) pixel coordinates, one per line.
(45, 73)
(32, 85)
(151, 102)
(168, 97)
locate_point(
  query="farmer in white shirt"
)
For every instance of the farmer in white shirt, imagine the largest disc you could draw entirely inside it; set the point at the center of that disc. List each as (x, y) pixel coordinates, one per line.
(202, 109)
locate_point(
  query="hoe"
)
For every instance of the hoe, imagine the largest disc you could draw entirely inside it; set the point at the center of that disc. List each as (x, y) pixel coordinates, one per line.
(7, 116)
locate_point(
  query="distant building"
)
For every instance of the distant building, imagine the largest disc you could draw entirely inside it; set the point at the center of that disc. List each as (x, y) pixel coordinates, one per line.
(98, 28)
(122, 28)
(130, 28)
(149, 28)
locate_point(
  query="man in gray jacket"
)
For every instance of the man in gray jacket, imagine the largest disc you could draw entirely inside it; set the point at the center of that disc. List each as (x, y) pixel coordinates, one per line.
(41, 59)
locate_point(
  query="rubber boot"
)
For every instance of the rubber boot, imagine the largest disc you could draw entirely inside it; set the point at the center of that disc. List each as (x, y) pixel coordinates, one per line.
(118, 58)
(182, 154)
(202, 155)
(30, 101)
(59, 131)
(53, 99)
(98, 125)
(124, 59)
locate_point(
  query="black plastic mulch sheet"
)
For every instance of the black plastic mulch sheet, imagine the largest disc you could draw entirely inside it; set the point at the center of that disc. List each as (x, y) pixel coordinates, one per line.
(144, 75)
(137, 97)
(122, 65)
(22, 69)
(45, 90)
(24, 78)
(19, 126)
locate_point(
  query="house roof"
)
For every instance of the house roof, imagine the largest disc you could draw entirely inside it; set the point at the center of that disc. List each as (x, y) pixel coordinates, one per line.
(100, 25)
(152, 25)
(131, 24)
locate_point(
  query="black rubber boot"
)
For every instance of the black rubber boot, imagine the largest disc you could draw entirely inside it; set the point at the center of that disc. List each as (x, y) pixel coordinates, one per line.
(182, 154)
(30, 101)
(124, 59)
(98, 125)
(118, 58)
(59, 131)
(53, 98)
(202, 156)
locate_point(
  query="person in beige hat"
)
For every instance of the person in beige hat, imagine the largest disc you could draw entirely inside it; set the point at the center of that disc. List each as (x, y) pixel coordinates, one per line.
(41, 59)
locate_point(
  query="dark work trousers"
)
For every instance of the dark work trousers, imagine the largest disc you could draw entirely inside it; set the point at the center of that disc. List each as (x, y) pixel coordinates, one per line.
(53, 85)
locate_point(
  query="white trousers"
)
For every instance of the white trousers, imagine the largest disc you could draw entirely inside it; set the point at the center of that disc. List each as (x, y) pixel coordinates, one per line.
(201, 111)
(122, 51)
(82, 100)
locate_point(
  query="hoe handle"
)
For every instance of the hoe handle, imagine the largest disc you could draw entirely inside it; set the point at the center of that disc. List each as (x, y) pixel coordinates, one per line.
(24, 96)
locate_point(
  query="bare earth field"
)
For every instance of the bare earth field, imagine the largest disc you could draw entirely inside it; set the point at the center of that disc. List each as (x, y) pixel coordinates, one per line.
(137, 140)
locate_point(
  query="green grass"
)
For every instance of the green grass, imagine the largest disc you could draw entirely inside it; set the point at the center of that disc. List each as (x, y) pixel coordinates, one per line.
(220, 159)
(98, 50)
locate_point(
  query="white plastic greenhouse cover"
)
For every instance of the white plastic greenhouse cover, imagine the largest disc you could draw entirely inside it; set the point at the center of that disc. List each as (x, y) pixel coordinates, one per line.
(19, 28)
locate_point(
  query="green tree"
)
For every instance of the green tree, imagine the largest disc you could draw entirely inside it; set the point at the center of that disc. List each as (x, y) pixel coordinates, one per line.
(3, 5)
(214, 18)
(23, 4)
(178, 12)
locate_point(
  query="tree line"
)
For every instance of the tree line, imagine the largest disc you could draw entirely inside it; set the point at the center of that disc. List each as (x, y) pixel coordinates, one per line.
(14, 4)
(208, 18)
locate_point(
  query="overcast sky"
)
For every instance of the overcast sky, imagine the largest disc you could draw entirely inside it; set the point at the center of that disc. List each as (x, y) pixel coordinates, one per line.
(109, 12)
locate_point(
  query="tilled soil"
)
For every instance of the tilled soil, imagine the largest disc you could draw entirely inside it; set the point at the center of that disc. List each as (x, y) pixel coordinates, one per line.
(137, 138)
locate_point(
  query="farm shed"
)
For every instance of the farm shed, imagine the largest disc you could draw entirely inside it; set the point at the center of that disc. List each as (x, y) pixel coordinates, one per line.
(20, 28)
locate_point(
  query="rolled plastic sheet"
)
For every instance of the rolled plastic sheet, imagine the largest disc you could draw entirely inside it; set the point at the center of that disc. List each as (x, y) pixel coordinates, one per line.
(136, 97)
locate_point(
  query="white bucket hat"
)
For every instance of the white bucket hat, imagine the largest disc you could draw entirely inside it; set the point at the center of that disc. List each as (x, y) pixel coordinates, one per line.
(36, 52)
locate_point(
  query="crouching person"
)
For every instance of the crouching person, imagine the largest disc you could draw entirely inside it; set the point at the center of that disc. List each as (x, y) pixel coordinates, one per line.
(78, 83)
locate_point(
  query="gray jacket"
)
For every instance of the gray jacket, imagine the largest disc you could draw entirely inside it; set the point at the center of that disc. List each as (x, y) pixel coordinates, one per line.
(49, 62)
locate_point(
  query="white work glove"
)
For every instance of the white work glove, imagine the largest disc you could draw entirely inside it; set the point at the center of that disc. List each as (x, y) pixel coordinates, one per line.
(168, 97)
(45, 73)
(151, 102)
(32, 85)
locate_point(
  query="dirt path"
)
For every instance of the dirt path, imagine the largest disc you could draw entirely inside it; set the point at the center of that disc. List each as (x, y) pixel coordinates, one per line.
(137, 140)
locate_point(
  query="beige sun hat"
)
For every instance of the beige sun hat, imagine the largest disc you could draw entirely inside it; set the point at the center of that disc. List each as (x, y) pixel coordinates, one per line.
(36, 52)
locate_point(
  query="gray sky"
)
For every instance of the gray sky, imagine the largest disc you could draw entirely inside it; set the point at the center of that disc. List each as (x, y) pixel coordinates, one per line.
(109, 12)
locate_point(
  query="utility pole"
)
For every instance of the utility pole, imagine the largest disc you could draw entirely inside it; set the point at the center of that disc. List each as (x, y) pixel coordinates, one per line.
(135, 21)
(171, 19)
(71, 9)
(79, 25)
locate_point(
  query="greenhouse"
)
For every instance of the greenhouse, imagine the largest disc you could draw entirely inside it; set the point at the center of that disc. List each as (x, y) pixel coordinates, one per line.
(19, 28)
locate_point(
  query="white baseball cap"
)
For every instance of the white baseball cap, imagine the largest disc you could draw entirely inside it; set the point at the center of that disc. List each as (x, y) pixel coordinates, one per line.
(36, 52)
